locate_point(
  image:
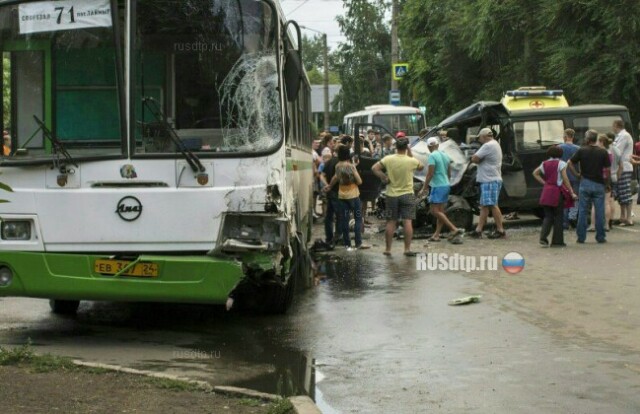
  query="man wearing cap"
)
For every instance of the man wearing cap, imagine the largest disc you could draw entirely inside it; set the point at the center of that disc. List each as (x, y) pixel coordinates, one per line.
(402, 135)
(400, 201)
(438, 173)
(489, 175)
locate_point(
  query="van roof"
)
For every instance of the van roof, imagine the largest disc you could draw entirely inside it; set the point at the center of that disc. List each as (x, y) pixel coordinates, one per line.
(534, 97)
(480, 109)
(591, 108)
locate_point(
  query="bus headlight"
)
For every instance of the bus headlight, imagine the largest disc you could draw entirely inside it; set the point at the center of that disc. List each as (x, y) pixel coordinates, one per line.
(6, 276)
(16, 230)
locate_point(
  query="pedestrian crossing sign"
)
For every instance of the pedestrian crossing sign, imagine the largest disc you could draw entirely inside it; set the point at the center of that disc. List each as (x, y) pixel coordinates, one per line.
(400, 70)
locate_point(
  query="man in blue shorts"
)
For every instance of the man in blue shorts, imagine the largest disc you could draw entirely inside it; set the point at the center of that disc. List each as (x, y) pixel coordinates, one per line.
(489, 160)
(438, 173)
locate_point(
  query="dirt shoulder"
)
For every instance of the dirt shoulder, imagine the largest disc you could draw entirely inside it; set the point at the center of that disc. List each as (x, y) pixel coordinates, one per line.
(42, 384)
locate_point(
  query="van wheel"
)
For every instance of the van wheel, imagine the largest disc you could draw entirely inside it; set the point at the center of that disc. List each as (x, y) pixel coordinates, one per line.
(460, 213)
(461, 218)
(64, 307)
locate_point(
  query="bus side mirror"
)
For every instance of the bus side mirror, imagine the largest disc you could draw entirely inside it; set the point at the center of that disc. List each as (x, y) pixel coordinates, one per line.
(292, 74)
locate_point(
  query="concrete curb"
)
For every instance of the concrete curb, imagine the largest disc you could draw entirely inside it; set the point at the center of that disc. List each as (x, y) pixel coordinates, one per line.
(301, 404)
(304, 405)
(245, 392)
(205, 386)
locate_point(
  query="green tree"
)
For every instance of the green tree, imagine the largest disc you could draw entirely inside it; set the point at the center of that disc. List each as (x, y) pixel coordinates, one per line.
(363, 61)
(316, 77)
(596, 59)
(313, 60)
(463, 51)
(312, 52)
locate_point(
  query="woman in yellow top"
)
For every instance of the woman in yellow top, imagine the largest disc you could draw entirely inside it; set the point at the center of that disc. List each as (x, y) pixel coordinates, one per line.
(347, 177)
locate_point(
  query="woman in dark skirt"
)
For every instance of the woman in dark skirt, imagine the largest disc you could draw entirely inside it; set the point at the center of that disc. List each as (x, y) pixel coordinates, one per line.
(556, 195)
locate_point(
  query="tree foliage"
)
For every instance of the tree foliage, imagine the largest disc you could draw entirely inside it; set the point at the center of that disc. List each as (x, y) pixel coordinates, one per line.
(462, 51)
(312, 52)
(363, 60)
(313, 58)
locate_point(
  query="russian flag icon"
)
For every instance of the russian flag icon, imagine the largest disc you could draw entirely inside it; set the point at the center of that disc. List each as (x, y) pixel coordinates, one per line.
(513, 263)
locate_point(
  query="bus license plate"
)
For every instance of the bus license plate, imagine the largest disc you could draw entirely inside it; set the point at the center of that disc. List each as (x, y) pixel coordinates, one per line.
(111, 267)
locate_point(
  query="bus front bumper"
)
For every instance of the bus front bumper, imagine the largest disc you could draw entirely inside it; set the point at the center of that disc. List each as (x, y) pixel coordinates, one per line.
(151, 278)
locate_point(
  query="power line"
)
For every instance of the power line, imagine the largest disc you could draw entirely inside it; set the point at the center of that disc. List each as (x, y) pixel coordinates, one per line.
(303, 3)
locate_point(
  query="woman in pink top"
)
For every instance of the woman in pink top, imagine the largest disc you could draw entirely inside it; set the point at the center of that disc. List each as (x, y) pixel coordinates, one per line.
(553, 198)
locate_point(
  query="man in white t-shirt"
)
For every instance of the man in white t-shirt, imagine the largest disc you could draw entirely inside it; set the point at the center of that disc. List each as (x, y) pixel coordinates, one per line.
(489, 175)
(624, 143)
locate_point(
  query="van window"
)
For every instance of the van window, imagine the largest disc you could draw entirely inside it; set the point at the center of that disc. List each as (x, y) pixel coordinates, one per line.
(602, 124)
(538, 134)
(472, 132)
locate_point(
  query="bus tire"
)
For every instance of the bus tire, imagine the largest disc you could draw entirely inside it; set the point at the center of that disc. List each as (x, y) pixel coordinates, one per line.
(280, 298)
(64, 307)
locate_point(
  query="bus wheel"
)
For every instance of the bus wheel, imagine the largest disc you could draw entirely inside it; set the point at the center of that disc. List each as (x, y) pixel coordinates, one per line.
(64, 307)
(279, 297)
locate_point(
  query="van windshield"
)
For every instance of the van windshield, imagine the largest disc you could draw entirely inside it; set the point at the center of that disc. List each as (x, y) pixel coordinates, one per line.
(538, 134)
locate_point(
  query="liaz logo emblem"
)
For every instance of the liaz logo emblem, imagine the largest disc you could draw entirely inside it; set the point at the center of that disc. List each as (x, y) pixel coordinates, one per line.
(129, 208)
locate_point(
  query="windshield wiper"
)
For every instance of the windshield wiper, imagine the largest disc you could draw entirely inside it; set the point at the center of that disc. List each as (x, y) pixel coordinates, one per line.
(192, 160)
(56, 145)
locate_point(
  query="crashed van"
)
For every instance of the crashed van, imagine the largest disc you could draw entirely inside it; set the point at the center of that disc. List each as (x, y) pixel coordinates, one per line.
(524, 136)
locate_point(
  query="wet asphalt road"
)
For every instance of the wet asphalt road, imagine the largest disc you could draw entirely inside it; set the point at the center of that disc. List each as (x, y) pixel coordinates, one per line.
(375, 336)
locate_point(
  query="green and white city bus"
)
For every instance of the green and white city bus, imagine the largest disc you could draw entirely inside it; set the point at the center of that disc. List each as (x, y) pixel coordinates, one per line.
(160, 151)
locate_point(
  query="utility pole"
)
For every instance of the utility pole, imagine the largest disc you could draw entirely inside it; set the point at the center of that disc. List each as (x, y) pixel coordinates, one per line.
(394, 40)
(325, 55)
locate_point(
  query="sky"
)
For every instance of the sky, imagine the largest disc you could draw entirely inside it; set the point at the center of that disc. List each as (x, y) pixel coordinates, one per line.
(319, 15)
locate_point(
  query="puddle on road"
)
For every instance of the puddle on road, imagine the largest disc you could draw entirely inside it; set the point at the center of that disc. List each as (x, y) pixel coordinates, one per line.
(350, 275)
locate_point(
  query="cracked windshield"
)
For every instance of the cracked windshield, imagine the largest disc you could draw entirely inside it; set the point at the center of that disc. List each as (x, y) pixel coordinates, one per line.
(207, 70)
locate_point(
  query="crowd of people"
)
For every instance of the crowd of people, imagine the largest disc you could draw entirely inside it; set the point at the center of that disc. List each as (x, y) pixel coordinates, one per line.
(584, 182)
(338, 181)
(581, 185)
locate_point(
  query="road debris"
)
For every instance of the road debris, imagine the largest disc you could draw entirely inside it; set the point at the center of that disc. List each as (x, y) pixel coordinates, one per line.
(465, 301)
